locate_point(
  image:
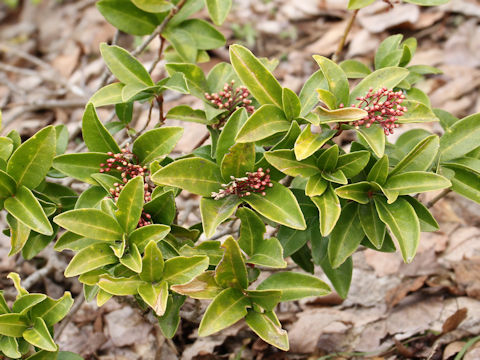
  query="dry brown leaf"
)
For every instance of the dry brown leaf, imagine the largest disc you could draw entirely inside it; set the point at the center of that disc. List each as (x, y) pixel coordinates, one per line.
(397, 294)
(454, 320)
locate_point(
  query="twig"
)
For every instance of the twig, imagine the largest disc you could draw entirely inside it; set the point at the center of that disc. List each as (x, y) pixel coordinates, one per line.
(76, 306)
(343, 40)
(149, 119)
(202, 140)
(437, 198)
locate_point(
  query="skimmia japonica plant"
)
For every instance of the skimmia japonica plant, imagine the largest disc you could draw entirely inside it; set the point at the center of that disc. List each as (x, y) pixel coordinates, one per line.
(274, 161)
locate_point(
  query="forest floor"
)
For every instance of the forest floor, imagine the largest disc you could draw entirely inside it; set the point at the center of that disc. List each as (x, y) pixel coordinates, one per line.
(50, 65)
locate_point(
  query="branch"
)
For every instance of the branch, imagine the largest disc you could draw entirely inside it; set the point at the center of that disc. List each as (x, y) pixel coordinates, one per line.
(437, 198)
(343, 40)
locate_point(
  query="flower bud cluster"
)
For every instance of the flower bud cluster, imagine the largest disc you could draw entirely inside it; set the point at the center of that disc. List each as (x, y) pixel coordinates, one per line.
(123, 162)
(230, 99)
(383, 107)
(254, 182)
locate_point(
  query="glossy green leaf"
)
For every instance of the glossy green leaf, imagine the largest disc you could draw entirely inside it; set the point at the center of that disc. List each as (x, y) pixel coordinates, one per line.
(120, 286)
(108, 95)
(133, 259)
(268, 253)
(267, 329)
(12, 325)
(308, 95)
(379, 172)
(142, 236)
(316, 185)
(336, 78)
(326, 97)
(252, 230)
(358, 192)
(373, 227)
(460, 138)
(291, 104)
(90, 258)
(95, 135)
(130, 204)
(226, 309)
(426, 219)
(308, 143)
(417, 113)
(7, 185)
(278, 205)
(90, 223)
(124, 66)
(181, 269)
(52, 311)
(171, 319)
(127, 17)
(285, 161)
(196, 175)
(155, 295)
(218, 10)
(214, 212)
(19, 233)
(153, 6)
(255, 76)
(23, 303)
(346, 236)
(238, 161)
(347, 115)
(374, 136)
(351, 164)
(230, 131)
(197, 83)
(231, 271)
(31, 161)
(358, 4)
(186, 113)
(401, 219)
(415, 182)
(80, 166)
(329, 209)
(155, 144)
(420, 158)
(17, 284)
(295, 286)
(39, 336)
(9, 347)
(355, 69)
(25, 208)
(205, 36)
(327, 161)
(152, 263)
(427, 2)
(388, 77)
(266, 121)
(162, 208)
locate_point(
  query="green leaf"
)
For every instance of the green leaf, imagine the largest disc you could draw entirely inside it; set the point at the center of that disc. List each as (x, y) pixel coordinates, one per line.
(267, 329)
(80, 166)
(91, 223)
(467, 184)
(186, 113)
(120, 286)
(17, 284)
(19, 233)
(389, 52)
(133, 259)
(460, 138)
(39, 336)
(142, 236)
(130, 204)
(358, 192)
(427, 2)
(415, 182)
(156, 143)
(124, 66)
(255, 76)
(268, 253)
(4, 309)
(197, 83)
(108, 95)
(218, 10)
(96, 136)
(374, 136)
(183, 43)
(278, 205)
(181, 269)
(327, 161)
(316, 185)
(401, 219)
(153, 6)
(231, 271)
(9, 347)
(351, 164)
(346, 236)
(420, 158)
(373, 227)
(171, 319)
(226, 309)
(266, 121)
(31, 161)
(205, 36)
(196, 175)
(326, 97)
(295, 286)
(285, 161)
(12, 325)
(347, 114)
(25, 208)
(229, 132)
(308, 143)
(358, 4)
(90, 258)
(355, 69)
(252, 229)
(426, 219)
(329, 209)
(308, 95)
(127, 17)
(388, 77)
(52, 311)
(336, 78)
(203, 286)
(162, 208)
(238, 161)
(23, 303)
(214, 212)
(152, 263)
(291, 104)
(417, 113)
(379, 172)
(156, 296)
